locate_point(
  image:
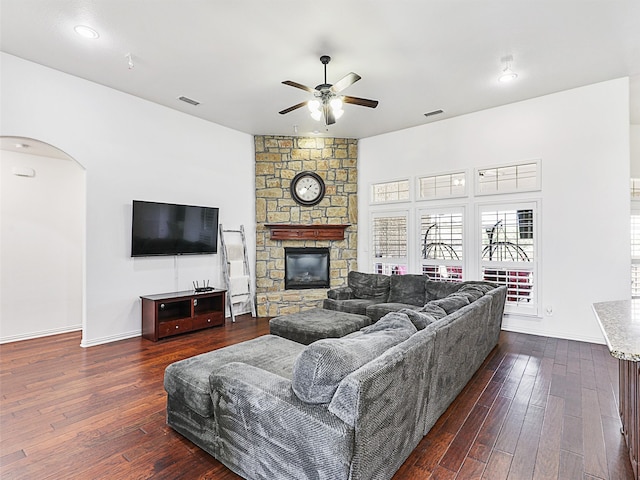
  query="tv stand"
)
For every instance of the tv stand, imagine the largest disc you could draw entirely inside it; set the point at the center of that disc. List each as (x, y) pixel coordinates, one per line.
(168, 314)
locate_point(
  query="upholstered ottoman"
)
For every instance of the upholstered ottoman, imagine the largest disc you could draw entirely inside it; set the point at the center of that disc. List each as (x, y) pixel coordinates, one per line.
(311, 325)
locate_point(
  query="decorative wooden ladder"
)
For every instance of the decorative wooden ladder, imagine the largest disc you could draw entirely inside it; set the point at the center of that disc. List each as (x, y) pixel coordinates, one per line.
(237, 277)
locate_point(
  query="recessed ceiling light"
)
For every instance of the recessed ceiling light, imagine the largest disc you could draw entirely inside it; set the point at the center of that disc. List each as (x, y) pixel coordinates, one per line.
(86, 32)
(22, 145)
(507, 74)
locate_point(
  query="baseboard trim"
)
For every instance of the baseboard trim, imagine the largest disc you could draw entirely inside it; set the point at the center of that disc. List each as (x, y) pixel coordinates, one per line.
(560, 335)
(40, 334)
(110, 338)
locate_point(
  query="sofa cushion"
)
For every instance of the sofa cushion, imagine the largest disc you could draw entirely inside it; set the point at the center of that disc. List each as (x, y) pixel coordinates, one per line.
(436, 289)
(391, 321)
(353, 305)
(377, 311)
(419, 319)
(408, 289)
(187, 381)
(473, 290)
(434, 310)
(369, 286)
(321, 366)
(451, 303)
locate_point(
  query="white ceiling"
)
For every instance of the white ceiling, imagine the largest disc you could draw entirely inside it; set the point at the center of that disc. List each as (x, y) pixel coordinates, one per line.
(414, 56)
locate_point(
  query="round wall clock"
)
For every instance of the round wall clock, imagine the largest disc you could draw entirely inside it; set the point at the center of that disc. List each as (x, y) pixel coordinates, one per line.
(307, 188)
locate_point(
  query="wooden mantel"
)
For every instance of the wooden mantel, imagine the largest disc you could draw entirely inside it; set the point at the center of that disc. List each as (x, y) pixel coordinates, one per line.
(281, 231)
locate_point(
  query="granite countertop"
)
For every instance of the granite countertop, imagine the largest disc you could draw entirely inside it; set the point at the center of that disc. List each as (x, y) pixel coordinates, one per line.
(620, 323)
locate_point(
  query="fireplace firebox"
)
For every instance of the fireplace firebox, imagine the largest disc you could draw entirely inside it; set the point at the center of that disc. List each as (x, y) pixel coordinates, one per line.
(306, 267)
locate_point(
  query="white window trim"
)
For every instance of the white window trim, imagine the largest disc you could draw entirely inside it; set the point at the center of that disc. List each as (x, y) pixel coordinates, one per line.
(537, 187)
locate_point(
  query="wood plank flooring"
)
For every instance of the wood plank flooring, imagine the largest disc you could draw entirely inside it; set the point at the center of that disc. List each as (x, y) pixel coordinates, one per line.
(539, 408)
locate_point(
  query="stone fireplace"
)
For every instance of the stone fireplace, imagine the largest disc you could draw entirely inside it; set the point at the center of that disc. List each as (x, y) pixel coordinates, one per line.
(278, 160)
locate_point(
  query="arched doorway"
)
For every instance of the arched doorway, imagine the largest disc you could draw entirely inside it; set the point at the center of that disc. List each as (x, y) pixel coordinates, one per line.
(42, 240)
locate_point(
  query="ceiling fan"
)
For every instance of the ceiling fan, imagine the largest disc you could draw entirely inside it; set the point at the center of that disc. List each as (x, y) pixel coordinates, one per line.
(327, 100)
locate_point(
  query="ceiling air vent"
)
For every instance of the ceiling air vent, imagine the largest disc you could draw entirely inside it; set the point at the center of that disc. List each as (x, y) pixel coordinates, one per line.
(189, 100)
(435, 112)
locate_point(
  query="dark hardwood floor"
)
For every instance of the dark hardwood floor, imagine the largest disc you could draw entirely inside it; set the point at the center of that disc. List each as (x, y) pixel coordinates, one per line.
(538, 408)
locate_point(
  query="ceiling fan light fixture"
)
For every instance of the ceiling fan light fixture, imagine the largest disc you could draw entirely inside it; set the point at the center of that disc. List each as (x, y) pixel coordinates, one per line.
(316, 115)
(313, 105)
(336, 104)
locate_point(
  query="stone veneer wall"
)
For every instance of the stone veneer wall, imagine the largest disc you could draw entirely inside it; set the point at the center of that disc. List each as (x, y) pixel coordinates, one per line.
(278, 160)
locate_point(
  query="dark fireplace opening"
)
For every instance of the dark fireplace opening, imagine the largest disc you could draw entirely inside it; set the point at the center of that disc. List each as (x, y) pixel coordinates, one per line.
(306, 267)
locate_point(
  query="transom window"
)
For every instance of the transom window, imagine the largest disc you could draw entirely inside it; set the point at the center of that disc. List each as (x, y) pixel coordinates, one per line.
(390, 191)
(443, 186)
(509, 178)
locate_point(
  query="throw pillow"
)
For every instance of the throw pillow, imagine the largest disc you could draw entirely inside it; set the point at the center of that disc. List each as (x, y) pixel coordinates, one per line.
(451, 303)
(392, 321)
(434, 310)
(408, 289)
(369, 286)
(420, 320)
(472, 290)
(321, 366)
(435, 289)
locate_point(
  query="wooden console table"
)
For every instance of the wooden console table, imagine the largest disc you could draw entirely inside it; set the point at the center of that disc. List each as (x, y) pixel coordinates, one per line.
(620, 324)
(281, 231)
(168, 314)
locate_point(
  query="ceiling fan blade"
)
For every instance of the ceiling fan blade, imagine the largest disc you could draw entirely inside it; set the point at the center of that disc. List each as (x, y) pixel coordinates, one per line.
(346, 81)
(363, 102)
(291, 109)
(299, 85)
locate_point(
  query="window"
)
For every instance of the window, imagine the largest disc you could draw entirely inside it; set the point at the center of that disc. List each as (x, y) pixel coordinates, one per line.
(390, 191)
(635, 255)
(441, 244)
(510, 178)
(443, 186)
(635, 188)
(508, 253)
(389, 236)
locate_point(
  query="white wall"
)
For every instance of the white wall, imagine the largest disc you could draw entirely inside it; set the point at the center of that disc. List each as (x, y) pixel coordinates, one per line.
(42, 238)
(131, 149)
(582, 139)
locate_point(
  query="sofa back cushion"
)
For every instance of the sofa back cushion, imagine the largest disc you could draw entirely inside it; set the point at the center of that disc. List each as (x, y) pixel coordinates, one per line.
(435, 289)
(369, 286)
(321, 366)
(408, 289)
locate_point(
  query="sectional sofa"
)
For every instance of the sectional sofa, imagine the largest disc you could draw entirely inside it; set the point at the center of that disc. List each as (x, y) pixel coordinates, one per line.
(353, 407)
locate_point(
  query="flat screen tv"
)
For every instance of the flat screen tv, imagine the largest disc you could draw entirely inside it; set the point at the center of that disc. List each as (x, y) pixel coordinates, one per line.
(170, 229)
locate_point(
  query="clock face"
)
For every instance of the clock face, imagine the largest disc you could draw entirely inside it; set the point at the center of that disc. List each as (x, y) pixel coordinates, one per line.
(307, 188)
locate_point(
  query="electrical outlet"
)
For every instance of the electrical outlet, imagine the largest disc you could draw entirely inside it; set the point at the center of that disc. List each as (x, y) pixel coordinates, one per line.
(549, 311)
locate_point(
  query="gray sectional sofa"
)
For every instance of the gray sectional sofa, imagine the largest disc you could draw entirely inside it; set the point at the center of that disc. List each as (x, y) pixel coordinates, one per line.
(353, 407)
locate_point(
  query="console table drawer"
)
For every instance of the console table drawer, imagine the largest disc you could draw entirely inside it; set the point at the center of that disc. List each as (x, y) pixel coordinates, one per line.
(176, 326)
(208, 320)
